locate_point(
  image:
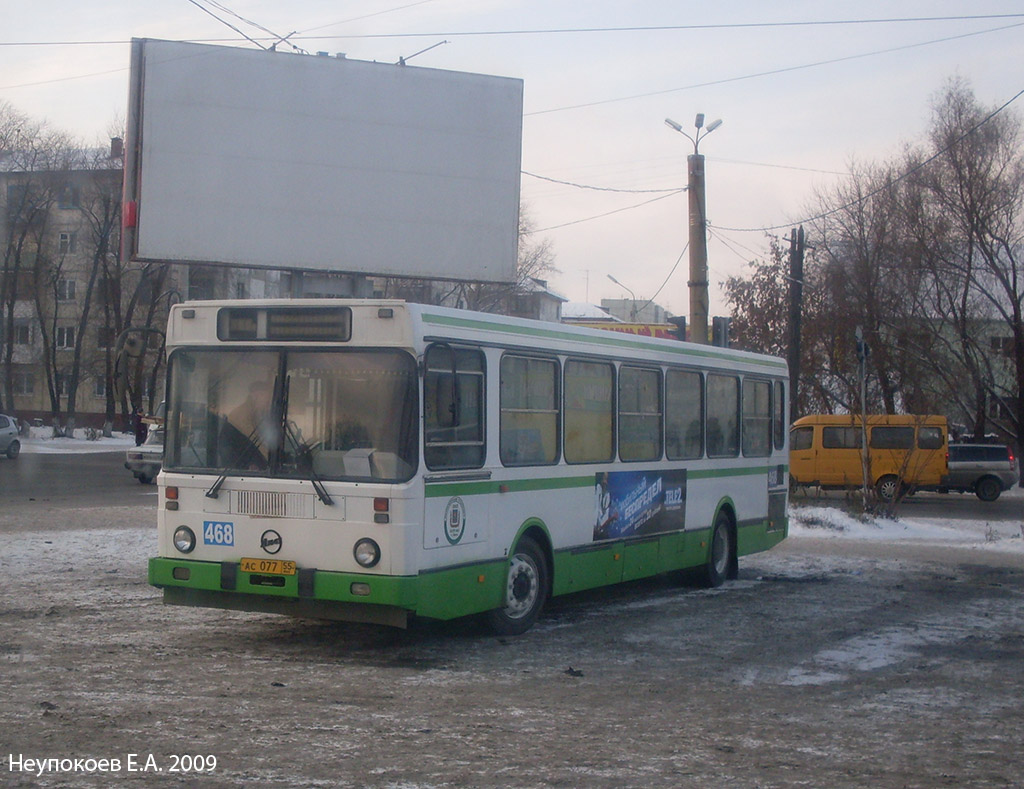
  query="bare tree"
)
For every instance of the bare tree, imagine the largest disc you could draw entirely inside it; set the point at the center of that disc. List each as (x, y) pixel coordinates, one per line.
(759, 303)
(976, 180)
(100, 205)
(34, 158)
(536, 261)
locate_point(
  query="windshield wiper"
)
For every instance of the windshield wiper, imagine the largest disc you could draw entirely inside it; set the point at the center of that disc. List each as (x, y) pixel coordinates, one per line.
(289, 433)
(252, 443)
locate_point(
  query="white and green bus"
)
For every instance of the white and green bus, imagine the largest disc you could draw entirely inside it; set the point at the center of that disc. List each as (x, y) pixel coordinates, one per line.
(370, 460)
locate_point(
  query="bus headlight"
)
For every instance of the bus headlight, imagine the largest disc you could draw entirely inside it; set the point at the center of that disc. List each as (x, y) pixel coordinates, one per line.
(184, 539)
(367, 552)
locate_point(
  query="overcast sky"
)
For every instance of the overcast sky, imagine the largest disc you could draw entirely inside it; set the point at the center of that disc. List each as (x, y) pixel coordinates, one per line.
(799, 100)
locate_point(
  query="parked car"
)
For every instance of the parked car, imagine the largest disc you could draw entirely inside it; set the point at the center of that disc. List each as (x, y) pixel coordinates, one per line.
(144, 461)
(9, 443)
(985, 470)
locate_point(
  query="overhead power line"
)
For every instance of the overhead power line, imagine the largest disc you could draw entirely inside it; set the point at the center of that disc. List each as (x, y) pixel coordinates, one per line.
(365, 16)
(585, 30)
(605, 188)
(206, 10)
(551, 110)
(768, 73)
(902, 176)
(608, 213)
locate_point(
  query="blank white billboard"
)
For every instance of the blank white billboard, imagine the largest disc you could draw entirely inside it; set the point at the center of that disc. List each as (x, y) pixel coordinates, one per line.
(265, 159)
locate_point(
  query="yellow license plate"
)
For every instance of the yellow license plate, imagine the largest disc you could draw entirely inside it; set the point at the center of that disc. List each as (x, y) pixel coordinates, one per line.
(268, 566)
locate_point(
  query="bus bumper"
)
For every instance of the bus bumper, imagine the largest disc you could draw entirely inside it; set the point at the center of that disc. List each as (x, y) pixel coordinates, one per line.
(319, 594)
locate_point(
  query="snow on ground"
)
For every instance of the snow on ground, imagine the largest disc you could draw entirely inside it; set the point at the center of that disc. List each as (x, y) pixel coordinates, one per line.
(835, 523)
(40, 441)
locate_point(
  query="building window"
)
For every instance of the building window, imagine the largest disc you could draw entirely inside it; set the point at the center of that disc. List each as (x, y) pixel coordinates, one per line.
(200, 283)
(24, 383)
(22, 334)
(65, 290)
(99, 388)
(17, 197)
(68, 197)
(65, 337)
(998, 410)
(1003, 346)
(66, 243)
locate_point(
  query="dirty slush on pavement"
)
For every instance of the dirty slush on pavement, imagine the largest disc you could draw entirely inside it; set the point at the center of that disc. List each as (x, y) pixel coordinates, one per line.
(818, 664)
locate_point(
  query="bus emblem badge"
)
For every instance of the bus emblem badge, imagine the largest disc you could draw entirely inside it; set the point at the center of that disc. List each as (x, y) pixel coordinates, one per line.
(454, 520)
(270, 541)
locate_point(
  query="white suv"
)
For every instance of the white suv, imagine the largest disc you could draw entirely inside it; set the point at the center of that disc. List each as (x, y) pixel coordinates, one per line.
(983, 469)
(9, 443)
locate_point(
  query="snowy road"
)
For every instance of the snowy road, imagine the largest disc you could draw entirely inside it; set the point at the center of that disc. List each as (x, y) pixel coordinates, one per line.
(824, 664)
(885, 654)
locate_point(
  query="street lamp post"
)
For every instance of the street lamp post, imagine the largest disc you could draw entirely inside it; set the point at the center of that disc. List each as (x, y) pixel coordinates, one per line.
(698, 228)
(632, 296)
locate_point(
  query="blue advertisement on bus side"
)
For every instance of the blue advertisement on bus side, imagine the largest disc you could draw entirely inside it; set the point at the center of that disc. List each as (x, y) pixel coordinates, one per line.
(638, 503)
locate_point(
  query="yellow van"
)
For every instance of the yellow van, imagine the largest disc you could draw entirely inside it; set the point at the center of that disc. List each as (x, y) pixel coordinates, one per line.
(904, 450)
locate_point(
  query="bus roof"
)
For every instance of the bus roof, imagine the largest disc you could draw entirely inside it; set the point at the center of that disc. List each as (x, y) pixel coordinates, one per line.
(464, 325)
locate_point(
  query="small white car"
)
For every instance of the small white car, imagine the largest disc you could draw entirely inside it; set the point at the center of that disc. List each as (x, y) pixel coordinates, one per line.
(9, 443)
(144, 461)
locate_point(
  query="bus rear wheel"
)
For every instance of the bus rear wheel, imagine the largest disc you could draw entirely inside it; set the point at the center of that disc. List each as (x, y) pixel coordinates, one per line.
(720, 556)
(526, 590)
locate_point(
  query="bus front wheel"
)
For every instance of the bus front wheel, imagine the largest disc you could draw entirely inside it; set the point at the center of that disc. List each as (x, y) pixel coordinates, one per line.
(720, 555)
(526, 590)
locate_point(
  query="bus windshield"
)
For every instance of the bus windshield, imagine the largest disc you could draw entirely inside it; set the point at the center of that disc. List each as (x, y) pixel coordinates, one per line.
(331, 414)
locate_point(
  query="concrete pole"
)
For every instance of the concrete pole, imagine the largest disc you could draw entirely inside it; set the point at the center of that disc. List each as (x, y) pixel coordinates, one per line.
(698, 250)
(796, 295)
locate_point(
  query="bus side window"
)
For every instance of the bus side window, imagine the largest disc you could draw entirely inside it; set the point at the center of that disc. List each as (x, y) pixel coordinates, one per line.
(684, 415)
(779, 408)
(639, 413)
(891, 437)
(723, 416)
(528, 394)
(757, 424)
(929, 438)
(589, 411)
(453, 408)
(801, 438)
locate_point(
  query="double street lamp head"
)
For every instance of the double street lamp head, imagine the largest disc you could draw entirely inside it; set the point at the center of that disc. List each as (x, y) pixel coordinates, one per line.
(698, 124)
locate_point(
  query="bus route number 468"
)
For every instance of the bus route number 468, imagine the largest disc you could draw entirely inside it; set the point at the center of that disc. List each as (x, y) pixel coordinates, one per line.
(218, 533)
